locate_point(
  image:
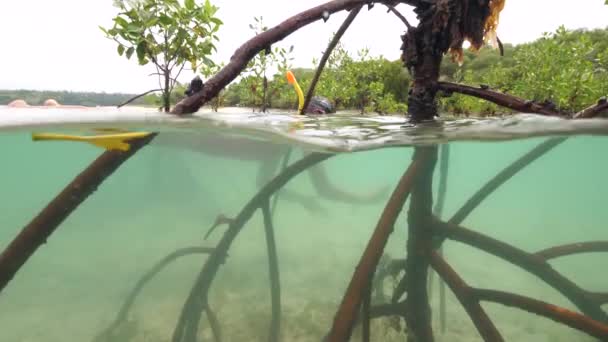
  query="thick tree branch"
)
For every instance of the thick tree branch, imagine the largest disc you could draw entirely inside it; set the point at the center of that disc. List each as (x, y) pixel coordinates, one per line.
(260, 42)
(509, 101)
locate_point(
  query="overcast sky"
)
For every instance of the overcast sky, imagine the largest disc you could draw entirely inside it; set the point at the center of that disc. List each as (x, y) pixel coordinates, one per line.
(57, 45)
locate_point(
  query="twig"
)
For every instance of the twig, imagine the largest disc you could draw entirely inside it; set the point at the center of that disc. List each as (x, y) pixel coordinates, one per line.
(575, 248)
(187, 326)
(366, 314)
(332, 45)
(273, 272)
(482, 322)
(220, 220)
(529, 262)
(136, 97)
(345, 317)
(556, 313)
(77, 191)
(501, 99)
(392, 8)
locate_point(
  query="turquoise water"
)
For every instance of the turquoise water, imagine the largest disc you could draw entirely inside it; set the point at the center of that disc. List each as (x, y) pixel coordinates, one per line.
(165, 198)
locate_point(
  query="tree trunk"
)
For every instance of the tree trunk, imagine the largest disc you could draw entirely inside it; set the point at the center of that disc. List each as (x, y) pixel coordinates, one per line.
(167, 93)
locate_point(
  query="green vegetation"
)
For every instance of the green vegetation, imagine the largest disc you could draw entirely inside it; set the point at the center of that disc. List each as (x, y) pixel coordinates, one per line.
(167, 33)
(567, 68)
(36, 98)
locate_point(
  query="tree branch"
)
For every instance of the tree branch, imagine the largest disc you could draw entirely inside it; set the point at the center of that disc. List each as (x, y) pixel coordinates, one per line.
(330, 47)
(575, 248)
(598, 108)
(482, 322)
(556, 313)
(509, 101)
(136, 97)
(44, 224)
(260, 42)
(345, 318)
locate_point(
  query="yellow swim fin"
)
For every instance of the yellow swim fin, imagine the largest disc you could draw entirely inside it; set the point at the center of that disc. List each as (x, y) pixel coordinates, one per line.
(118, 141)
(291, 79)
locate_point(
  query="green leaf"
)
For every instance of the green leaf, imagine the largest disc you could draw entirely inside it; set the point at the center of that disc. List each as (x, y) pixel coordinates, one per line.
(130, 52)
(121, 50)
(189, 4)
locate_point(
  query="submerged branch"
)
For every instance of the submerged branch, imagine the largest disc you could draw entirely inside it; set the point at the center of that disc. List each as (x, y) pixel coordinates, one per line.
(556, 313)
(273, 272)
(332, 45)
(505, 100)
(347, 312)
(462, 291)
(575, 248)
(187, 326)
(528, 262)
(121, 317)
(75, 193)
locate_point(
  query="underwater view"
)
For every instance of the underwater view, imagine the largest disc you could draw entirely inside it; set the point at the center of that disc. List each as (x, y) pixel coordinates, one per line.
(121, 266)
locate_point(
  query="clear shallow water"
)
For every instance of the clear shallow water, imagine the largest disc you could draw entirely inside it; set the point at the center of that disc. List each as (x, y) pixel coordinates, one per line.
(168, 195)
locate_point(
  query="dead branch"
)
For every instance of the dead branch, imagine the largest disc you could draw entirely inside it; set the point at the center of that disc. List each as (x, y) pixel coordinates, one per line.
(330, 47)
(482, 322)
(260, 42)
(347, 312)
(77, 191)
(527, 261)
(505, 100)
(187, 326)
(575, 248)
(556, 313)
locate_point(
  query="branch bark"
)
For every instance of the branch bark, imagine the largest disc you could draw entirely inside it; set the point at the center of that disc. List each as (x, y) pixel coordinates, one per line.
(509, 101)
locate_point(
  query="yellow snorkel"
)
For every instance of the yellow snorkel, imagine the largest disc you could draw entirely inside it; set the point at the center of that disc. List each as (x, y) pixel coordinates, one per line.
(116, 141)
(291, 79)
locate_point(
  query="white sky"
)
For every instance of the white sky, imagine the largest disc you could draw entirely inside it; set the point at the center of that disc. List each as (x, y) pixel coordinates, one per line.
(57, 45)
